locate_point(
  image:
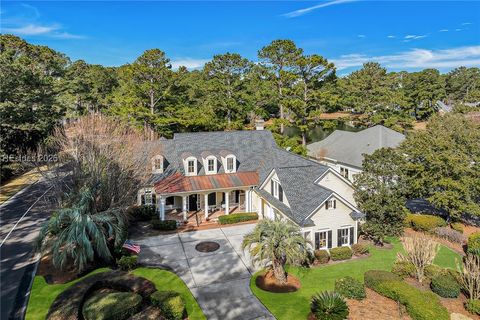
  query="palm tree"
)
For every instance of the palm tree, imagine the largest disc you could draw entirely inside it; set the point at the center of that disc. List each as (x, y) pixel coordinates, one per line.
(274, 244)
(79, 234)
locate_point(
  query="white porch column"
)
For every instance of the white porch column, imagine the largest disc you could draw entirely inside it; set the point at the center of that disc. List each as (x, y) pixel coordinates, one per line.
(247, 201)
(227, 202)
(162, 208)
(184, 208)
(206, 205)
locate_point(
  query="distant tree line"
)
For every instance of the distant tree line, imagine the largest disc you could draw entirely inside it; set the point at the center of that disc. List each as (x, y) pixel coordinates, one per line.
(42, 87)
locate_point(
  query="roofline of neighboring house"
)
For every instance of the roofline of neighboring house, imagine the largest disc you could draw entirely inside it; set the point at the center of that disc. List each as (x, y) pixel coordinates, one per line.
(336, 161)
(335, 173)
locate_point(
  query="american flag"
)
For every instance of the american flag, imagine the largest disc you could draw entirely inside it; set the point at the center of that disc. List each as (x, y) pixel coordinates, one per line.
(132, 247)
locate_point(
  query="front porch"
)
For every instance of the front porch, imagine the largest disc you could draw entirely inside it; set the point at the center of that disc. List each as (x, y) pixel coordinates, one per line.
(195, 218)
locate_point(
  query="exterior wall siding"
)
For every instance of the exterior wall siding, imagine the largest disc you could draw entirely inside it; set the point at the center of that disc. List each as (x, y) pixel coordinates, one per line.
(352, 171)
(337, 185)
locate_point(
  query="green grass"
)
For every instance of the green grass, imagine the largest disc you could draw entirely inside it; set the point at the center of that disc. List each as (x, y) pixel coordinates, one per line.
(166, 280)
(447, 258)
(43, 294)
(296, 305)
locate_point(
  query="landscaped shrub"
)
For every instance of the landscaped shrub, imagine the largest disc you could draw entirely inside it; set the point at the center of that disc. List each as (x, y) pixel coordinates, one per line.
(340, 253)
(166, 225)
(403, 269)
(425, 223)
(111, 306)
(473, 244)
(457, 226)
(142, 213)
(432, 270)
(322, 256)
(407, 222)
(170, 303)
(350, 288)
(127, 262)
(359, 249)
(449, 234)
(445, 286)
(329, 306)
(237, 217)
(473, 306)
(373, 278)
(420, 305)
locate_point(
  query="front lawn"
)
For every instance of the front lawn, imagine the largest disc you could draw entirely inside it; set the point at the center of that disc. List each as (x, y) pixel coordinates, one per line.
(296, 305)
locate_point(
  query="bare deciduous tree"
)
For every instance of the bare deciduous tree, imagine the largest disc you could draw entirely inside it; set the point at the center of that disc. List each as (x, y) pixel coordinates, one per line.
(420, 251)
(470, 276)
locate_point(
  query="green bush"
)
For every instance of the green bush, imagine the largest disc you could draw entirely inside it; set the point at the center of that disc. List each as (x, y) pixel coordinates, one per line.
(170, 303)
(237, 217)
(457, 226)
(166, 225)
(373, 278)
(407, 222)
(421, 305)
(350, 288)
(340, 253)
(359, 249)
(432, 270)
(142, 213)
(473, 244)
(111, 306)
(322, 256)
(127, 262)
(445, 286)
(329, 306)
(425, 223)
(473, 306)
(403, 269)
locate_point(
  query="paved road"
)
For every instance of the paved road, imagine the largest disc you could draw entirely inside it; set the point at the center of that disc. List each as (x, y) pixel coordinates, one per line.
(20, 222)
(219, 280)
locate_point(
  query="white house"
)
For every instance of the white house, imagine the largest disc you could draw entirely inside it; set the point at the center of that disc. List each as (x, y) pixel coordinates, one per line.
(343, 150)
(204, 175)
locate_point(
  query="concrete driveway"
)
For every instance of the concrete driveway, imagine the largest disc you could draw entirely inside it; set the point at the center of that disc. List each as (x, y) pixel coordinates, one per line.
(219, 280)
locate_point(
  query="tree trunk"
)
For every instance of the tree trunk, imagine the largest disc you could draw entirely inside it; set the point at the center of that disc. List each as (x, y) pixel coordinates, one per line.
(304, 138)
(279, 272)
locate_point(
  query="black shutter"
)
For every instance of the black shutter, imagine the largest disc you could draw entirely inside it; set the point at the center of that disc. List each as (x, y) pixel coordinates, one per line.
(143, 199)
(329, 246)
(352, 231)
(317, 240)
(339, 237)
(334, 204)
(326, 205)
(280, 193)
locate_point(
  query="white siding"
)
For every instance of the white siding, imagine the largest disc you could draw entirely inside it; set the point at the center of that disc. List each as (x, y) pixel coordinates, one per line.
(337, 185)
(267, 187)
(352, 171)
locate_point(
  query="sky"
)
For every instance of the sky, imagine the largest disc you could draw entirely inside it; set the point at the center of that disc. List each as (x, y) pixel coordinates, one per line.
(401, 35)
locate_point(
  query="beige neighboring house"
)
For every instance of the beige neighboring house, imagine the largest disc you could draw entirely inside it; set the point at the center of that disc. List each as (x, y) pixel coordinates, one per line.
(343, 150)
(200, 176)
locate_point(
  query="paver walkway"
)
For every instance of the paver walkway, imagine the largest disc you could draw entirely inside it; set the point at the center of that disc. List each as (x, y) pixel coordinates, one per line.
(219, 280)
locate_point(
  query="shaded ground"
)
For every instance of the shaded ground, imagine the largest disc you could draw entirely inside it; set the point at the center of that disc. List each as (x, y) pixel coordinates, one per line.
(16, 184)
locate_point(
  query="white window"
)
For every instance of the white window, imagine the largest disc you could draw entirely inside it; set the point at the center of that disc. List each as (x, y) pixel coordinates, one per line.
(230, 164)
(344, 172)
(321, 240)
(331, 204)
(277, 190)
(148, 197)
(157, 164)
(191, 166)
(344, 236)
(211, 165)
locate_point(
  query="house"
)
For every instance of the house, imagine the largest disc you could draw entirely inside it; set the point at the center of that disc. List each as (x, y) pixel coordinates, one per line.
(343, 151)
(200, 176)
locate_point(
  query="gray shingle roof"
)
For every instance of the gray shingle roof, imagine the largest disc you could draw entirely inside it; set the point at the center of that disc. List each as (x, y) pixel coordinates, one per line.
(349, 147)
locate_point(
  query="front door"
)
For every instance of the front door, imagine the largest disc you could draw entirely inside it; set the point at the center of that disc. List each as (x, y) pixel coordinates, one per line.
(192, 202)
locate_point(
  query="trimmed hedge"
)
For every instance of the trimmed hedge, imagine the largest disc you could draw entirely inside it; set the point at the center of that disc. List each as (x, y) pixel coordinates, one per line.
(424, 222)
(473, 244)
(165, 225)
(127, 262)
(170, 303)
(360, 249)
(473, 306)
(142, 213)
(340, 253)
(350, 288)
(432, 270)
(322, 256)
(445, 286)
(237, 217)
(457, 226)
(111, 306)
(403, 269)
(421, 305)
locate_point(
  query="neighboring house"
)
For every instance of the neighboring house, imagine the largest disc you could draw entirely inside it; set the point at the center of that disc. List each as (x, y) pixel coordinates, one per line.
(204, 175)
(343, 150)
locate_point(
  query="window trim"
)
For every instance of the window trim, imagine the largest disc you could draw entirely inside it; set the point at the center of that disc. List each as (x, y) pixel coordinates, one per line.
(326, 239)
(154, 164)
(207, 167)
(345, 172)
(187, 166)
(331, 206)
(234, 163)
(277, 190)
(347, 235)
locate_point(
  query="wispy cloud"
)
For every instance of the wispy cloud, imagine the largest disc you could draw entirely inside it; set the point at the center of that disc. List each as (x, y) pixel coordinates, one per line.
(31, 30)
(301, 12)
(189, 63)
(466, 23)
(391, 37)
(361, 36)
(414, 36)
(443, 30)
(458, 29)
(416, 59)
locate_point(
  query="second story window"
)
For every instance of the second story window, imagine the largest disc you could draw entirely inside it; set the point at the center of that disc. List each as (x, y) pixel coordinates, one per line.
(331, 204)
(230, 164)
(211, 165)
(191, 166)
(344, 172)
(277, 190)
(157, 164)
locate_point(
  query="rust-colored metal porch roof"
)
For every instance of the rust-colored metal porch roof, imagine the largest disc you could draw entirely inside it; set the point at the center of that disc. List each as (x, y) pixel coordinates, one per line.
(179, 183)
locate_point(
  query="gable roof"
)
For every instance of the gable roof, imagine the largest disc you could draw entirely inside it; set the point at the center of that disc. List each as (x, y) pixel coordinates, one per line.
(349, 147)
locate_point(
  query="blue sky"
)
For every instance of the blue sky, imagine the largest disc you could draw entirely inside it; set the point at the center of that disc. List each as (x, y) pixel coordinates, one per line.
(402, 35)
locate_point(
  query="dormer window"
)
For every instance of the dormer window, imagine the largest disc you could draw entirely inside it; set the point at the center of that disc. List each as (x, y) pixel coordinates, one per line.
(157, 164)
(191, 166)
(231, 165)
(211, 165)
(277, 190)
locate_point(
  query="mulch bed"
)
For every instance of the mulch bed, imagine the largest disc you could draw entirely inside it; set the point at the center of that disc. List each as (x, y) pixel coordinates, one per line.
(457, 247)
(376, 306)
(52, 275)
(268, 282)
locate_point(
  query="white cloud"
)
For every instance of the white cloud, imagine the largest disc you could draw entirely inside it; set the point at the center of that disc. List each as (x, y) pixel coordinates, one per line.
(361, 36)
(31, 30)
(414, 36)
(458, 29)
(189, 63)
(416, 58)
(391, 37)
(301, 12)
(466, 23)
(443, 30)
